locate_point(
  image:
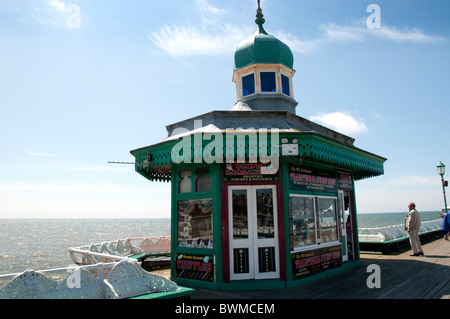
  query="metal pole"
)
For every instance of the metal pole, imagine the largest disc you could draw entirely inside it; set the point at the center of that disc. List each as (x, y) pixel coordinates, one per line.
(443, 190)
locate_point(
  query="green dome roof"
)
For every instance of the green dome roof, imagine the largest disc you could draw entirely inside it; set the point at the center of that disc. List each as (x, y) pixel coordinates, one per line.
(262, 48)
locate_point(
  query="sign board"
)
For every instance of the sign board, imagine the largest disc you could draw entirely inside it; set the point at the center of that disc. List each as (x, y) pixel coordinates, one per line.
(302, 178)
(344, 180)
(248, 173)
(311, 262)
(195, 267)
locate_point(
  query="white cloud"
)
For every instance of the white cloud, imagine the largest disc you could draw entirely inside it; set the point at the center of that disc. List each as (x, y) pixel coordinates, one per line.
(359, 32)
(58, 5)
(342, 122)
(209, 37)
(45, 12)
(212, 38)
(207, 7)
(333, 32)
(295, 44)
(183, 40)
(40, 154)
(376, 115)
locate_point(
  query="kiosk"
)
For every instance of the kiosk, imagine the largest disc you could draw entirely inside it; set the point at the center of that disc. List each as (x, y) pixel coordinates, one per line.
(261, 197)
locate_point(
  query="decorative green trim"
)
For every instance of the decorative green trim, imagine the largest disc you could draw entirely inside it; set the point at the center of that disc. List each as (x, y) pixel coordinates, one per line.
(155, 162)
(363, 164)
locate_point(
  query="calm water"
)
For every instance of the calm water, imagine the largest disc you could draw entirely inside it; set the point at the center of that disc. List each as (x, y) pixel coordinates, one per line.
(44, 243)
(389, 219)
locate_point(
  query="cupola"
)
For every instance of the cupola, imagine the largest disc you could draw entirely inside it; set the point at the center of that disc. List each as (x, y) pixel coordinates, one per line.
(263, 71)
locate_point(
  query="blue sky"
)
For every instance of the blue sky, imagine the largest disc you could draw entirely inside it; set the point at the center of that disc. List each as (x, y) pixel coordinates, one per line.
(84, 82)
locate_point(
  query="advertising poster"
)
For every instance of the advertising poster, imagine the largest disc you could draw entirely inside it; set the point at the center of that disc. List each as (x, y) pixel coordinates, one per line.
(311, 262)
(196, 267)
(248, 173)
(303, 178)
(345, 180)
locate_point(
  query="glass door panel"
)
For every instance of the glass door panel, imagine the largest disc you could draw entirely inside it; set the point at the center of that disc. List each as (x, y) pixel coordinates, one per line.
(264, 213)
(253, 232)
(240, 214)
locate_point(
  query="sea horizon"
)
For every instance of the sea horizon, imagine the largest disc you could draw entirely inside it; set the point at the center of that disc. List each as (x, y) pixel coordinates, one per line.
(43, 243)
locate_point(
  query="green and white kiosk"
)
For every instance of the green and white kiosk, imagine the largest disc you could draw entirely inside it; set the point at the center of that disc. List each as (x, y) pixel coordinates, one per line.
(261, 197)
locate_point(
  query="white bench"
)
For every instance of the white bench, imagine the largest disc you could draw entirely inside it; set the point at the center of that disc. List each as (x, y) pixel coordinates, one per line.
(125, 280)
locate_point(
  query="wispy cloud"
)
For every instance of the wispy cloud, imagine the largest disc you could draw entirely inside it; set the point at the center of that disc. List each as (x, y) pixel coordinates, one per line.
(356, 32)
(58, 5)
(183, 40)
(376, 115)
(207, 38)
(45, 12)
(205, 6)
(210, 36)
(40, 154)
(359, 32)
(342, 122)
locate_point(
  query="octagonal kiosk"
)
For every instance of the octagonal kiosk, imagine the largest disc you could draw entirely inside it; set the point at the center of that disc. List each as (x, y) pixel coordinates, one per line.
(261, 197)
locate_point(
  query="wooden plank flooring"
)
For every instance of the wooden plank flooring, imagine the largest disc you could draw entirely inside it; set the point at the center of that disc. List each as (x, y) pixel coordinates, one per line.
(402, 277)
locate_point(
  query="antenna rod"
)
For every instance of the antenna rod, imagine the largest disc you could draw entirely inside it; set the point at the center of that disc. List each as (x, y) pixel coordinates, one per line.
(121, 162)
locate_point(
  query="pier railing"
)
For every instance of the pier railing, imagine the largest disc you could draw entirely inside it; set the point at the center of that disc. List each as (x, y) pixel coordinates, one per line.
(116, 280)
(123, 249)
(395, 232)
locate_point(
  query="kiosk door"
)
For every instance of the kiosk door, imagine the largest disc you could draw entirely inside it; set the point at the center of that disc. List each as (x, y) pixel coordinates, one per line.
(346, 213)
(253, 232)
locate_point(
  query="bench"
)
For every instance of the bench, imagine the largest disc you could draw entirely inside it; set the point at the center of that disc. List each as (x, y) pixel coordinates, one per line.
(125, 280)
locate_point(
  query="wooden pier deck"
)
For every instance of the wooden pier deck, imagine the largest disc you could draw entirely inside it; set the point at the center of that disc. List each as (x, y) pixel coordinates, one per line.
(402, 277)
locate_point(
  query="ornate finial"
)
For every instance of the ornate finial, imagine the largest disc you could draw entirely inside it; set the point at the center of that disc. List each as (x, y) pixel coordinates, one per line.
(260, 19)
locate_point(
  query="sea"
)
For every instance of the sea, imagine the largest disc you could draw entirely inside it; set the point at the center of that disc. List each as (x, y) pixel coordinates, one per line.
(41, 244)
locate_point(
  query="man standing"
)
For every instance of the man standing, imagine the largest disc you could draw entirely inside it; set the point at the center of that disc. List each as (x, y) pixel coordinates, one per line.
(445, 226)
(413, 226)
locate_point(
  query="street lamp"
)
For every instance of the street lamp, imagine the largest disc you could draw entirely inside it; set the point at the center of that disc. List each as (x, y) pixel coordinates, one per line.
(441, 171)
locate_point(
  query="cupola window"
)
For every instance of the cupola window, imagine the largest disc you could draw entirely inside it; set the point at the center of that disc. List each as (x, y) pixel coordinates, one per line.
(268, 82)
(248, 84)
(285, 85)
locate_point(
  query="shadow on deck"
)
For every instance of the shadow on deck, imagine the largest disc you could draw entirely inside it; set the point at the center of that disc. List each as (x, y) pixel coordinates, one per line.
(401, 277)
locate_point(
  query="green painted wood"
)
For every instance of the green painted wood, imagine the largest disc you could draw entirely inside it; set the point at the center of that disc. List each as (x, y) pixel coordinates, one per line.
(155, 162)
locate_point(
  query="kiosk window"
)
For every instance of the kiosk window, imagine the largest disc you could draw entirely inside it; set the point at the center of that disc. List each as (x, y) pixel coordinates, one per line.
(314, 221)
(285, 85)
(303, 221)
(327, 219)
(248, 84)
(195, 223)
(268, 82)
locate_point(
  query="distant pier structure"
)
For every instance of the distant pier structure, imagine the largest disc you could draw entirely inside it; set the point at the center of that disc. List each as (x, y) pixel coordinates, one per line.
(261, 197)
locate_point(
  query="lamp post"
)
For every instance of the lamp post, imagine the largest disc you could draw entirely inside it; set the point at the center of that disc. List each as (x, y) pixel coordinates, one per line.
(441, 171)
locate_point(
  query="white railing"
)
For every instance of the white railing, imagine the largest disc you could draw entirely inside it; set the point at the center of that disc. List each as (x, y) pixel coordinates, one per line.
(394, 232)
(115, 280)
(118, 250)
